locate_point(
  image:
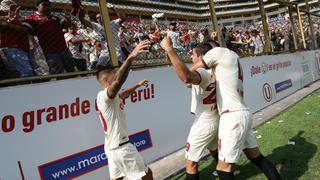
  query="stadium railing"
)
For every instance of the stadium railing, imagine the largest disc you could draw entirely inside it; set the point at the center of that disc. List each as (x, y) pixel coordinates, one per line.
(88, 39)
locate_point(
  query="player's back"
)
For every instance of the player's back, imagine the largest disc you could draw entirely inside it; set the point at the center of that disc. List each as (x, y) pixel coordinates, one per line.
(228, 78)
(203, 103)
(113, 120)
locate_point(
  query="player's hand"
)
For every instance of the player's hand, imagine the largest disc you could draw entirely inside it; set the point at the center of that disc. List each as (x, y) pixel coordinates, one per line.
(14, 15)
(144, 83)
(214, 35)
(110, 6)
(142, 47)
(166, 43)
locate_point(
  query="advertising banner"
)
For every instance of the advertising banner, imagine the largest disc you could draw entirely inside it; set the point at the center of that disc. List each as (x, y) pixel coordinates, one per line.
(52, 130)
(268, 79)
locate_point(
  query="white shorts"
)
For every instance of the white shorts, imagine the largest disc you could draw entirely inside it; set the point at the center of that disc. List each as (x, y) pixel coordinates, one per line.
(203, 135)
(125, 161)
(235, 134)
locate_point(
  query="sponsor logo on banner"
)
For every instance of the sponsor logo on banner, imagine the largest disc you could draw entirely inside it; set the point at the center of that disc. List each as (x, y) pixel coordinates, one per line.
(267, 92)
(89, 160)
(283, 85)
(264, 68)
(317, 61)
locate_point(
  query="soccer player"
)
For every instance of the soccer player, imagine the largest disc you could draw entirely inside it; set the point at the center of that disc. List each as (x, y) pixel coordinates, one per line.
(123, 158)
(204, 131)
(235, 132)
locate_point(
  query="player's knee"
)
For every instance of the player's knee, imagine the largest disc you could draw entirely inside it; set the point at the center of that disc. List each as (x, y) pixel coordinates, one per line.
(252, 152)
(191, 167)
(224, 166)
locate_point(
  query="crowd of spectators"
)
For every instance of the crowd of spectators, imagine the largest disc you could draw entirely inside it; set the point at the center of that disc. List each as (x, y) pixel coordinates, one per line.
(45, 42)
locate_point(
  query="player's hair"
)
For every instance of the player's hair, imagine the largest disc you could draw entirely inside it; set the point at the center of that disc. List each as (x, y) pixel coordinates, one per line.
(104, 69)
(202, 48)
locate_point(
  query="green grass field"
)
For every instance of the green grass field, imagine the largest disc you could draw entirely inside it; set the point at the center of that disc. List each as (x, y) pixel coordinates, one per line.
(300, 124)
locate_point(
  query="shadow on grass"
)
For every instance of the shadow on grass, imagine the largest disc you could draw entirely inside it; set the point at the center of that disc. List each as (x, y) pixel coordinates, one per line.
(290, 160)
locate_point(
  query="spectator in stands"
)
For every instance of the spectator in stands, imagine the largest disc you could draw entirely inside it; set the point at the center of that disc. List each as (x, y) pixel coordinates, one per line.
(14, 42)
(48, 29)
(154, 36)
(186, 40)
(140, 34)
(124, 40)
(258, 44)
(193, 40)
(99, 19)
(205, 37)
(96, 32)
(174, 35)
(94, 55)
(74, 42)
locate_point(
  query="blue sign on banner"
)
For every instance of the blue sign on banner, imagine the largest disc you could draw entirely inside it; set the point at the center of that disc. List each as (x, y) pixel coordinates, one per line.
(283, 85)
(89, 160)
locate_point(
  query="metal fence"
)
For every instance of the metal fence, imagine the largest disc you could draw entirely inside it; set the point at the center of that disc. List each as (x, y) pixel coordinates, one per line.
(43, 40)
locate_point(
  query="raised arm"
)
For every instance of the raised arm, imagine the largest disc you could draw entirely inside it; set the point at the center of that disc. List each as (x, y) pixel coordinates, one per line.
(187, 76)
(120, 15)
(122, 74)
(127, 92)
(5, 26)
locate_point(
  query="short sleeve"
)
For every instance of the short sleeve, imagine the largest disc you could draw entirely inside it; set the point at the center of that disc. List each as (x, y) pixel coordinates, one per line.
(211, 58)
(68, 37)
(204, 75)
(103, 96)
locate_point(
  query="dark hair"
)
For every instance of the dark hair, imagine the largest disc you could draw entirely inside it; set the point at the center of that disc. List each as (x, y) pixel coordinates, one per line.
(106, 68)
(202, 48)
(101, 69)
(204, 31)
(38, 2)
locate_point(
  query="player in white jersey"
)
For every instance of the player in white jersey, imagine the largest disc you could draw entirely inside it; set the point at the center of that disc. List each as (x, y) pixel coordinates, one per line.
(123, 158)
(204, 131)
(235, 132)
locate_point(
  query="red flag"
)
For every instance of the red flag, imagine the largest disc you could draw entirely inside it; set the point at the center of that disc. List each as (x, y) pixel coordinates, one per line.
(76, 7)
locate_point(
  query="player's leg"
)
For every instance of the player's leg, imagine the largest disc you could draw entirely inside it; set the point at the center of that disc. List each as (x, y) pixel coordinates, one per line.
(132, 163)
(254, 155)
(114, 169)
(214, 155)
(192, 170)
(225, 170)
(231, 140)
(200, 137)
(213, 149)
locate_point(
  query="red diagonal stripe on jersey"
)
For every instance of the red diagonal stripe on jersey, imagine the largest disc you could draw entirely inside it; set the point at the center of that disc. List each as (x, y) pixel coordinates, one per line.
(105, 127)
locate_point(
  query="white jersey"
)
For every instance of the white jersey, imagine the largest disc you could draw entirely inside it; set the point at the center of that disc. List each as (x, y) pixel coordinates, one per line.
(228, 78)
(174, 36)
(74, 47)
(203, 103)
(113, 120)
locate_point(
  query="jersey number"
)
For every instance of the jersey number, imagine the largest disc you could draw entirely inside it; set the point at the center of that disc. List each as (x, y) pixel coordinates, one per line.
(211, 98)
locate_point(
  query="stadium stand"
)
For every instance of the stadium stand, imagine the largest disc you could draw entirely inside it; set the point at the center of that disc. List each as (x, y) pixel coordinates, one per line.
(240, 24)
